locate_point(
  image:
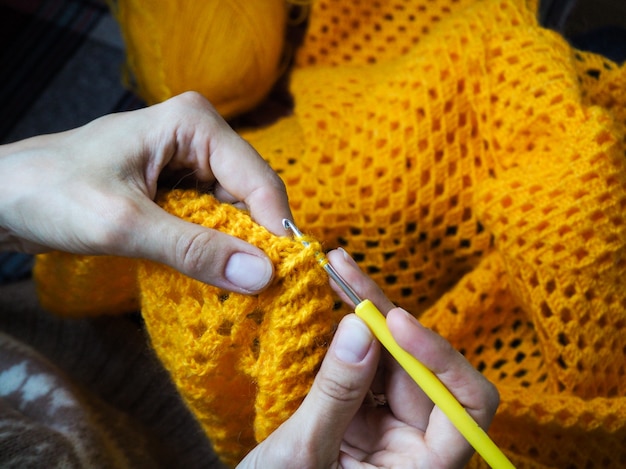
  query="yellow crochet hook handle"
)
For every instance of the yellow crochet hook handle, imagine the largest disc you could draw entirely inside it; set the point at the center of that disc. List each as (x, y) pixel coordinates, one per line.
(425, 379)
(433, 388)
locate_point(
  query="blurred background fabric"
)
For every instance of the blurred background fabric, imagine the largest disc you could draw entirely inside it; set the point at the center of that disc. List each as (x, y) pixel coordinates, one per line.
(61, 66)
(593, 25)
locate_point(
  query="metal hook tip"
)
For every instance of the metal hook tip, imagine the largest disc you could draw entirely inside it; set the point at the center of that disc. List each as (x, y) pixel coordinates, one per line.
(289, 225)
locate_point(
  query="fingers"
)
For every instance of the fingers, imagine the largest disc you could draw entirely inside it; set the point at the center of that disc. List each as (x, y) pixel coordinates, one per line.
(363, 285)
(391, 376)
(186, 133)
(407, 401)
(247, 177)
(204, 254)
(312, 437)
(212, 257)
(430, 348)
(339, 388)
(207, 144)
(470, 388)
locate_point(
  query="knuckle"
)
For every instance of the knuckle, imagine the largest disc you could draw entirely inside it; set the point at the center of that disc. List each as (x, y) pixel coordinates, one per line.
(339, 386)
(269, 193)
(193, 100)
(193, 107)
(193, 253)
(112, 228)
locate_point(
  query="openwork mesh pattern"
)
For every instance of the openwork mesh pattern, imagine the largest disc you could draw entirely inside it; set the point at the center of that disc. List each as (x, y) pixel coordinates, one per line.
(242, 363)
(480, 179)
(473, 163)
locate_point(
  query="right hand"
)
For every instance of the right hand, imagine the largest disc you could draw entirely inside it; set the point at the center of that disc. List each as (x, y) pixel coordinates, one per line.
(338, 427)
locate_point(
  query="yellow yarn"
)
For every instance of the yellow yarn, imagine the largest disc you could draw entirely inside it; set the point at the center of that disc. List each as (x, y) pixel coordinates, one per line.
(242, 363)
(473, 163)
(110, 282)
(228, 50)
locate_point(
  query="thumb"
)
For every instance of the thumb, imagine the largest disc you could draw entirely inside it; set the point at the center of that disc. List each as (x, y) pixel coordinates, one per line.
(339, 388)
(202, 253)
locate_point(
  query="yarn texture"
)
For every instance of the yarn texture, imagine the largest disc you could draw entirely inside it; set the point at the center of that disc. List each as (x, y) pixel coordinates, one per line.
(474, 165)
(242, 363)
(228, 50)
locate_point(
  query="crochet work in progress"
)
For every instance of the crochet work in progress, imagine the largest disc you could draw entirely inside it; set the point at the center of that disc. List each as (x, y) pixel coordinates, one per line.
(242, 363)
(474, 165)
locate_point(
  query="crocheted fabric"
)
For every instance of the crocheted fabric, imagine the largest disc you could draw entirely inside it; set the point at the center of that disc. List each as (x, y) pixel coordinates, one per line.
(242, 363)
(474, 165)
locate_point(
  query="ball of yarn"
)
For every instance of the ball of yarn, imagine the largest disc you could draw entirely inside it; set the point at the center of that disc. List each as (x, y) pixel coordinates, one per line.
(228, 50)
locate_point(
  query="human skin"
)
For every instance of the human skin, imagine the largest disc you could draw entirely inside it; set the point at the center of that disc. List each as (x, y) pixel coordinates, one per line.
(338, 427)
(91, 190)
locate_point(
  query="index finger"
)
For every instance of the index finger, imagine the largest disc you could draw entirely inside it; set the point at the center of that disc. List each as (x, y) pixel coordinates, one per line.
(197, 138)
(242, 172)
(363, 285)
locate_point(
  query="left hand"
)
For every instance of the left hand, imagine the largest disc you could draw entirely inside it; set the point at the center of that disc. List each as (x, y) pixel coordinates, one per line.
(90, 190)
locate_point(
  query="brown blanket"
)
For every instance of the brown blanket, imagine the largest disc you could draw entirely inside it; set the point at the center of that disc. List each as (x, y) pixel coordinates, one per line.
(87, 393)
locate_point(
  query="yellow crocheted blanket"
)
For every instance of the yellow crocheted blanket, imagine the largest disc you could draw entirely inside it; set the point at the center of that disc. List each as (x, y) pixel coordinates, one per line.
(474, 164)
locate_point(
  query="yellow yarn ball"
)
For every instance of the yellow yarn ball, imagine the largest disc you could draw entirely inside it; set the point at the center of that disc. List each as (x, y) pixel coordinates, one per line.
(228, 50)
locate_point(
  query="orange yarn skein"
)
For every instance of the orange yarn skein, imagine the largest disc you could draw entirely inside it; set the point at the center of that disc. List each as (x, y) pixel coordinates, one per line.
(229, 51)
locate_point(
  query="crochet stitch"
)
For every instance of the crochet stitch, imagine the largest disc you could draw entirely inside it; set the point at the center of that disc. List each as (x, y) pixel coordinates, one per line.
(473, 164)
(242, 363)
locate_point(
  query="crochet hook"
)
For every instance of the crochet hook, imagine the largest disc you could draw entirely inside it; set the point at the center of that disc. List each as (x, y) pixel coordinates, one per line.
(425, 379)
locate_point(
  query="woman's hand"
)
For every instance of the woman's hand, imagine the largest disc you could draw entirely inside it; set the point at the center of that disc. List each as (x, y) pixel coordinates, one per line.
(90, 191)
(339, 423)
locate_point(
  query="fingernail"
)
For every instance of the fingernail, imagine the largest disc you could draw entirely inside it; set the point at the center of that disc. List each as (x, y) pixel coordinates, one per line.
(408, 319)
(248, 272)
(412, 319)
(348, 258)
(353, 341)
